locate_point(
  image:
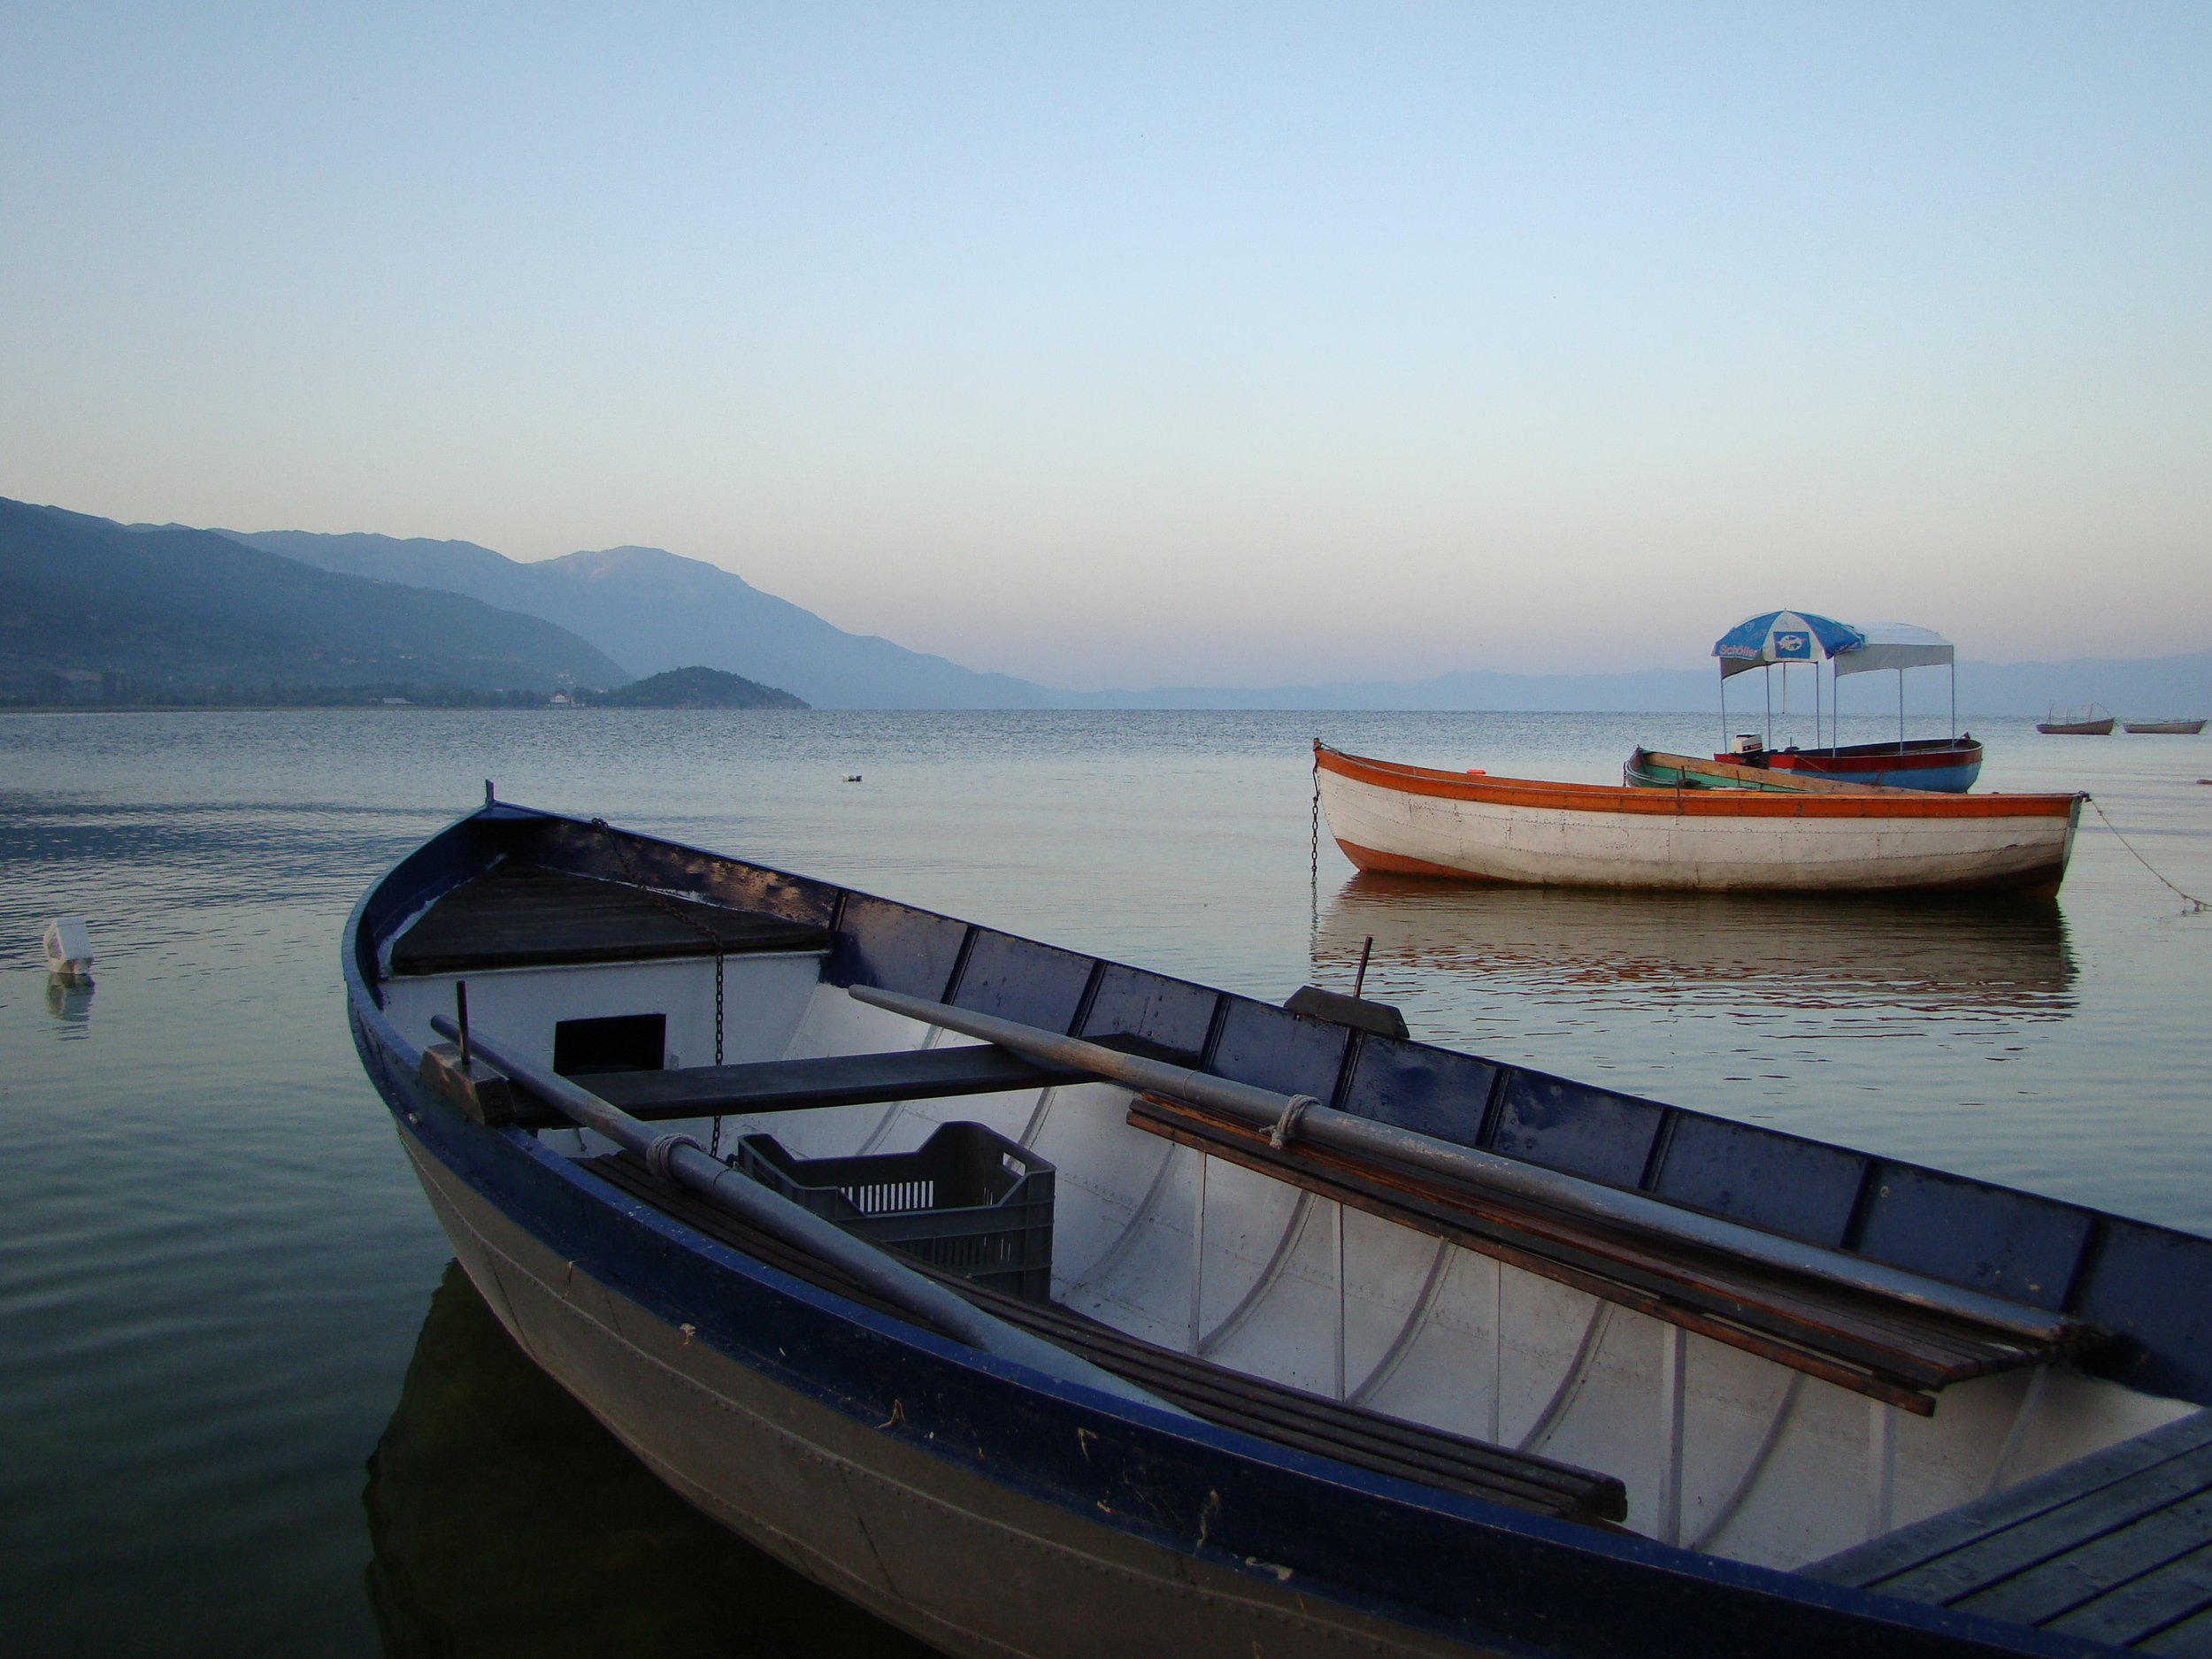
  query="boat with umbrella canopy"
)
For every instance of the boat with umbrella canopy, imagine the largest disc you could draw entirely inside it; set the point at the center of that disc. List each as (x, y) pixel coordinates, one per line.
(1785, 638)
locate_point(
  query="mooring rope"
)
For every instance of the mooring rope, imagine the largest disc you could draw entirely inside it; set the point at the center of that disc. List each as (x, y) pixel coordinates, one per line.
(2196, 904)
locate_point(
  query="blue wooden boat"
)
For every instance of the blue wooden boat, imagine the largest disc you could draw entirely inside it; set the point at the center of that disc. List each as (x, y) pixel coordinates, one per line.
(1946, 765)
(1787, 638)
(1940, 765)
(1325, 1341)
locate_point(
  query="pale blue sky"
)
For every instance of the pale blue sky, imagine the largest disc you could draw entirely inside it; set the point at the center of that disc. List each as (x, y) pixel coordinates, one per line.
(1187, 344)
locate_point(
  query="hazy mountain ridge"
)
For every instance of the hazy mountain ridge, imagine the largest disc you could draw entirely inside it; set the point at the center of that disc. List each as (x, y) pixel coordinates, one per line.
(656, 610)
(171, 605)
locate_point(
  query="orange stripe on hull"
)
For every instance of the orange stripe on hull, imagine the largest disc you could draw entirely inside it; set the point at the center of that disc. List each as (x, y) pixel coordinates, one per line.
(2037, 886)
(1600, 797)
(1396, 865)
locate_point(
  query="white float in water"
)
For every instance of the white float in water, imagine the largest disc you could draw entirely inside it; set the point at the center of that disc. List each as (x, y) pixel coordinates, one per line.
(69, 947)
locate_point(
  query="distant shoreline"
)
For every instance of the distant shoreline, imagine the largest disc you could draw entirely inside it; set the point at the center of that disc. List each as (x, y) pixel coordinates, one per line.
(402, 708)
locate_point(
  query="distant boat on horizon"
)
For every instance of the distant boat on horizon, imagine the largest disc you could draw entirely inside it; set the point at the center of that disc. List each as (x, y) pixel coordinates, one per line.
(2165, 728)
(2063, 723)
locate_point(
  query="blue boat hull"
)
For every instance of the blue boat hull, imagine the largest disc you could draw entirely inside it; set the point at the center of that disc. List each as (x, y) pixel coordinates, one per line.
(991, 1508)
(1945, 780)
(1945, 765)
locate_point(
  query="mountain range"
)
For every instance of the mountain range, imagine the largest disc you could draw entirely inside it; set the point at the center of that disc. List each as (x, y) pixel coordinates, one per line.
(248, 606)
(653, 611)
(177, 606)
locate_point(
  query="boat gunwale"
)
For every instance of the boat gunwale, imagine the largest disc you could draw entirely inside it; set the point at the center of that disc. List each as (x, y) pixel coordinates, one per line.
(1918, 751)
(1849, 800)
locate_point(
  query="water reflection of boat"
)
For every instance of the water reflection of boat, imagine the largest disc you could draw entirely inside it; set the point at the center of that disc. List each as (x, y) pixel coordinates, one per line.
(1583, 944)
(491, 1485)
(70, 1002)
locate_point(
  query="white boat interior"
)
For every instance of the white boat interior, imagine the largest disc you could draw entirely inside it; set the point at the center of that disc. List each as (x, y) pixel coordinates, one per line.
(1723, 1449)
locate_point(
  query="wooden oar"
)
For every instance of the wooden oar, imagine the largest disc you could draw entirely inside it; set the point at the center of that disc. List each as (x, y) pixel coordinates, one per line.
(1303, 1116)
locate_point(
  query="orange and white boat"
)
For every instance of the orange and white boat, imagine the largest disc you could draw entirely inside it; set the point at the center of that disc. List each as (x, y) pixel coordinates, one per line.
(1815, 836)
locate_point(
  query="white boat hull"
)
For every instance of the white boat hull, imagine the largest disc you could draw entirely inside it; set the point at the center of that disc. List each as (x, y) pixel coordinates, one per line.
(966, 1565)
(1384, 827)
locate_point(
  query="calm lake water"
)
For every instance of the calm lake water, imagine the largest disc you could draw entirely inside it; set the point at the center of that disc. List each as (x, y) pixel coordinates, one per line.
(245, 1408)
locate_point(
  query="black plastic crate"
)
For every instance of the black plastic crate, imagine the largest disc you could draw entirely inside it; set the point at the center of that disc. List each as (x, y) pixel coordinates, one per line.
(969, 1200)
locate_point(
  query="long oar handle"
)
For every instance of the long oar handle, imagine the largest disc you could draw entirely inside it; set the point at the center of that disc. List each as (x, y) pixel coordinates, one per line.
(1350, 1133)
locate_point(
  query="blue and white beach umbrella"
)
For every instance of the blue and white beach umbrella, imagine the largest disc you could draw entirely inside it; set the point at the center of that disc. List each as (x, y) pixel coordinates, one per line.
(1783, 636)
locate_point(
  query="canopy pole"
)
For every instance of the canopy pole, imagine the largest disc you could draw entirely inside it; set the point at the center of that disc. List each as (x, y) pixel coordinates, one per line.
(1723, 708)
(1901, 710)
(1768, 676)
(1955, 697)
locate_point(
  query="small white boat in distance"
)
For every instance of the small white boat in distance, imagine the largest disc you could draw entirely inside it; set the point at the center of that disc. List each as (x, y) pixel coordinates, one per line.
(1819, 837)
(2165, 728)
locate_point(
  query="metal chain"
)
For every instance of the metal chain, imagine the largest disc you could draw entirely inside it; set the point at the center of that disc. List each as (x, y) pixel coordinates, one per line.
(689, 920)
(1313, 843)
(2196, 904)
(1313, 864)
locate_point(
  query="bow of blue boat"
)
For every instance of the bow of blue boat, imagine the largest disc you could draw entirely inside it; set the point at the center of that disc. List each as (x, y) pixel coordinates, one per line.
(1322, 1335)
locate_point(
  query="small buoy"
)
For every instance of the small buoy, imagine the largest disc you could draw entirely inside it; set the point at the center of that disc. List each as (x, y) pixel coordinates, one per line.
(1477, 772)
(854, 778)
(68, 947)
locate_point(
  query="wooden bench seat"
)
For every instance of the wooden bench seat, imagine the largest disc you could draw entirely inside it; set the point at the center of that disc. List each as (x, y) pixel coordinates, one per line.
(1329, 1428)
(840, 1080)
(522, 916)
(2115, 1547)
(1884, 1348)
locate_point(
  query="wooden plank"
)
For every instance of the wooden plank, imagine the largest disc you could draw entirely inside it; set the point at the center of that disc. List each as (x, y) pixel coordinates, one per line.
(2190, 1639)
(2143, 1606)
(1869, 1563)
(844, 1079)
(520, 914)
(1347, 1433)
(2085, 1570)
(2013, 1548)
(1890, 1351)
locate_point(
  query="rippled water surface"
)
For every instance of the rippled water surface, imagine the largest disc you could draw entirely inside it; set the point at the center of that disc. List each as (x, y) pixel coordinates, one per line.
(244, 1408)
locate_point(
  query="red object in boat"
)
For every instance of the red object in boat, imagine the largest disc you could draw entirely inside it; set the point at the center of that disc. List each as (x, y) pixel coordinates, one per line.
(1946, 765)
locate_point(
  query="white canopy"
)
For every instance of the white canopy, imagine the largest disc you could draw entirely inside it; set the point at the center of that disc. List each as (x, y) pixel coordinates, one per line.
(1896, 645)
